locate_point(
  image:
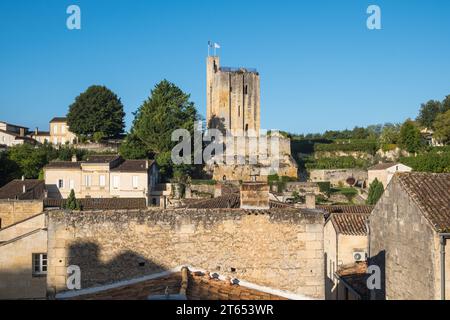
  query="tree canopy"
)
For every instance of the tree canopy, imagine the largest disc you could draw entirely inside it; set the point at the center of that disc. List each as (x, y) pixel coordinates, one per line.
(442, 126)
(376, 190)
(428, 113)
(98, 111)
(410, 138)
(168, 108)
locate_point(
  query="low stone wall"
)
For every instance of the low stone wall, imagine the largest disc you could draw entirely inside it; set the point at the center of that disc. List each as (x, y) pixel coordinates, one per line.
(282, 249)
(337, 176)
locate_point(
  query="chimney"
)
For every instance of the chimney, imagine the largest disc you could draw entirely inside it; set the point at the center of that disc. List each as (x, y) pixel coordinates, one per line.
(22, 132)
(310, 201)
(255, 195)
(36, 131)
(74, 158)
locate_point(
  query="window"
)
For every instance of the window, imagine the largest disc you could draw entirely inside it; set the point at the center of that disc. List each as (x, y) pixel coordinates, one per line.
(55, 128)
(71, 184)
(116, 182)
(39, 264)
(88, 181)
(135, 182)
(63, 128)
(63, 140)
(55, 140)
(60, 183)
(102, 181)
(245, 89)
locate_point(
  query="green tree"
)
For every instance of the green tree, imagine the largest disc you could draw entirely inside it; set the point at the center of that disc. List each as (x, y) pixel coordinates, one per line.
(132, 148)
(376, 190)
(445, 106)
(72, 203)
(168, 108)
(428, 113)
(442, 127)
(9, 169)
(98, 109)
(410, 138)
(390, 134)
(31, 159)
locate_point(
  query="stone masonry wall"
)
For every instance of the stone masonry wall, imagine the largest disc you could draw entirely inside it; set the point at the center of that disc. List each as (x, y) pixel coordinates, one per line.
(12, 211)
(280, 249)
(402, 244)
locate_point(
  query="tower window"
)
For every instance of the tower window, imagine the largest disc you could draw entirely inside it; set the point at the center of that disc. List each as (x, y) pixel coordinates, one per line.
(245, 89)
(231, 89)
(239, 111)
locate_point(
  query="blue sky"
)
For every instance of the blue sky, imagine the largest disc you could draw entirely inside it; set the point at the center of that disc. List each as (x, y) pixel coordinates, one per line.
(320, 67)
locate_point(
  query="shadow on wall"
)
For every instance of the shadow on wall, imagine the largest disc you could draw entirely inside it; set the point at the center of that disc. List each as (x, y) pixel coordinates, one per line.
(217, 123)
(380, 261)
(53, 191)
(21, 284)
(124, 266)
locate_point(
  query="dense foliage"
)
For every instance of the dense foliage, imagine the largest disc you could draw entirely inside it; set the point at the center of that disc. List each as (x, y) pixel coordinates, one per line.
(410, 138)
(168, 108)
(368, 146)
(376, 190)
(72, 203)
(338, 163)
(96, 113)
(432, 161)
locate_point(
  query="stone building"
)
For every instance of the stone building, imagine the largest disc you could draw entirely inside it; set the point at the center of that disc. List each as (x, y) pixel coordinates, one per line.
(408, 230)
(232, 97)
(233, 106)
(345, 243)
(19, 200)
(11, 135)
(59, 133)
(384, 172)
(281, 249)
(102, 176)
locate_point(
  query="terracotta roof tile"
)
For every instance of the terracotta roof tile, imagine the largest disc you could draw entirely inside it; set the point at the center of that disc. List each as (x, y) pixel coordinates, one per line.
(101, 203)
(431, 193)
(353, 224)
(63, 165)
(132, 166)
(199, 286)
(34, 190)
(346, 208)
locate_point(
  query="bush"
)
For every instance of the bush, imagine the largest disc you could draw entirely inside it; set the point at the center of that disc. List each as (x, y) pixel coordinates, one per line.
(72, 203)
(338, 163)
(376, 190)
(434, 161)
(325, 187)
(366, 146)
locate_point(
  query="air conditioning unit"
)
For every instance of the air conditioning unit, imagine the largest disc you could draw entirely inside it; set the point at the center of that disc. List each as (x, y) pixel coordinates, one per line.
(359, 256)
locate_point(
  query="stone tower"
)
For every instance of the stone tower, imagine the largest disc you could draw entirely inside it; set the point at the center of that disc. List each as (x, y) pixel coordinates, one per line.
(233, 98)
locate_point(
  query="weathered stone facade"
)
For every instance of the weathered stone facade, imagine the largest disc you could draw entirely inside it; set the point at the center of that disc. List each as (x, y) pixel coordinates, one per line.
(233, 100)
(281, 248)
(405, 247)
(17, 244)
(13, 211)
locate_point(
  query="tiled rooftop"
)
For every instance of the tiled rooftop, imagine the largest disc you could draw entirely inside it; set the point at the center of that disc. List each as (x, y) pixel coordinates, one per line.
(382, 166)
(34, 189)
(353, 224)
(431, 193)
(193, 285)
(101, 203)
